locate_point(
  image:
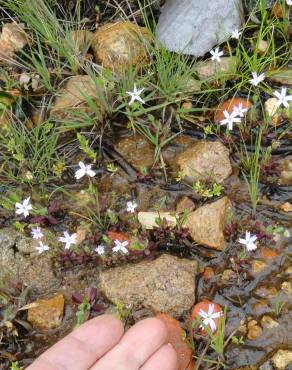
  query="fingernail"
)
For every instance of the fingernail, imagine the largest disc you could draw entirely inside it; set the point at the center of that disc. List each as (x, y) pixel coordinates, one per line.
(170, 345)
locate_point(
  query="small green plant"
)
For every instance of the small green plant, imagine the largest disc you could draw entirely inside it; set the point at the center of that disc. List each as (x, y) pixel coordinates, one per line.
(85, 147)
(207, 192)
(111, 167)
(122, 311)
(278, 305)
(237, 340)
(15, 366)
(217, 339)
(94, 209)
(83, 312)
(158, 133)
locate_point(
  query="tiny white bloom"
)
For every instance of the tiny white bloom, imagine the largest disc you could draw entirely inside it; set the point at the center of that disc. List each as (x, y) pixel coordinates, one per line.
(36, 233)
(283, 98)
(85, 169)
(249, 241)
(135, 95)
(239, 110)
(131, 206)
(257, 79)
(120, 246)
(23, 208)
(216, 54)
(208, 317)
(100, 250)
(230, 119)
(68, 239)
(289, 2)
(236, 34)
(42, 247)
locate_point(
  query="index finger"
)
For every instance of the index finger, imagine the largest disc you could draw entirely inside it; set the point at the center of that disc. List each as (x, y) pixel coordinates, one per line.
(83, 347)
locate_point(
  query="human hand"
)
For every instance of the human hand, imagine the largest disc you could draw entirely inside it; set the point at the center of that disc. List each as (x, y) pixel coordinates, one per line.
(101, 344)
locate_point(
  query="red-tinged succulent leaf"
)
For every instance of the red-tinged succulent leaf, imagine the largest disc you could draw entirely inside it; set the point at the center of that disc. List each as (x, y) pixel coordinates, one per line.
(175, 338)
(54, 207)
(97, 308)
(92, 294)
(77, 298)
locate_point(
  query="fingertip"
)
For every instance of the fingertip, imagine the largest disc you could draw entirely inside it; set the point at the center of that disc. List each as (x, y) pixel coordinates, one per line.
(108, 323)
(156, 325)
(166, 355)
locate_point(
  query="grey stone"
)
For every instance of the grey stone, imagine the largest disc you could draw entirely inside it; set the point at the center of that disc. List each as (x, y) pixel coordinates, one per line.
(19, 258)
(195, 26)
(164, 285)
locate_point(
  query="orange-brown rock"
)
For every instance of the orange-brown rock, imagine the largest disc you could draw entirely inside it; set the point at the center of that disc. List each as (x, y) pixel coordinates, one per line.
(206, 224)
(205, 160)
(12, 39)
(258, 266)
(286, 207)
(175, 338)
(268, 322)
(113, 235)
(208, 273)
(254, 330)
(75, 98)
(268, 253)
(47, 313)
(136, 150)
(286, 171)
(166, 284)
(229, 106)
(278, 10)
(120, 45)
(185, 204)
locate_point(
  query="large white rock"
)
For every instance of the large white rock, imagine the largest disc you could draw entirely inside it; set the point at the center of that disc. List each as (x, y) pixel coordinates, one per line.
(196, 26)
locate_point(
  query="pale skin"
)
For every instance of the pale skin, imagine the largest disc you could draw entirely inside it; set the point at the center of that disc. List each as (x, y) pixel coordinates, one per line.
(102, 344)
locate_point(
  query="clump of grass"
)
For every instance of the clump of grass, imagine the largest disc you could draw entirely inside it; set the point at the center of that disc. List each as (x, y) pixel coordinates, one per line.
(251, 173)
(57, 50)
(28, 156)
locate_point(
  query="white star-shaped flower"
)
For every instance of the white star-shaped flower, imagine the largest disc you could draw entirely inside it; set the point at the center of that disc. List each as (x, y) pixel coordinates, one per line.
(135, 95)
(120, 246)
(23, 208)
(236, 34)
(100, 249)
(257, 79)
(249, 241)
(230, 119)
(131, 206)
(42, 247)
(289, 2)
(68, 239)
(208, 317)
(216, 54)
(36, 233)
(283, 98)
(85, 169)
(239, 110)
